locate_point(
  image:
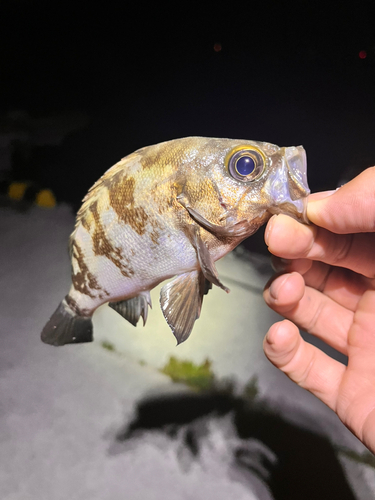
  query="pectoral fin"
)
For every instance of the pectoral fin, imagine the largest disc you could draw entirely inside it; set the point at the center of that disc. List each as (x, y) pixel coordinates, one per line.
(205, 260)
(181, 302)
(240, 229)
(132, 309)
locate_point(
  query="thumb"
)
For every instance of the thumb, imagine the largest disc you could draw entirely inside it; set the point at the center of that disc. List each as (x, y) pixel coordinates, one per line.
(349, 209)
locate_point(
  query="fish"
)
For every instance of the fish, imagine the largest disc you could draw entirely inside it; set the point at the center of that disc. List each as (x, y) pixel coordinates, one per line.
(171, 210)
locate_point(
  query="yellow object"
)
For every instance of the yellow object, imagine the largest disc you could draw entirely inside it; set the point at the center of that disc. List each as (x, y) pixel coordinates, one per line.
(45, 198)
(17, 190)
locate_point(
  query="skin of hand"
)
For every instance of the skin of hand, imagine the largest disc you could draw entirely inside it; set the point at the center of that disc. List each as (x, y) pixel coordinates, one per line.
(326, 286)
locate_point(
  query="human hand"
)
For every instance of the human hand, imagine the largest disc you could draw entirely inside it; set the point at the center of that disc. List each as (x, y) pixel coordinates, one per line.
(327, 288)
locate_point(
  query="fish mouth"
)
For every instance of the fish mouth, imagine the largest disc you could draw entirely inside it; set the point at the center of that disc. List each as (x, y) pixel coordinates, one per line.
(287, 186)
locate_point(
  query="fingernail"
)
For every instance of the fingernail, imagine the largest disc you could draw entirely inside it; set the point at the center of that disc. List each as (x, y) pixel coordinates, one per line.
(269, 227)
(320, 195)
(272, 333)
(325, 194)
(276, 286)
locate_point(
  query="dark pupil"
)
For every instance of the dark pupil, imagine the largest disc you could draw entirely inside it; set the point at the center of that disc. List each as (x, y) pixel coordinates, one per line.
(245, 165)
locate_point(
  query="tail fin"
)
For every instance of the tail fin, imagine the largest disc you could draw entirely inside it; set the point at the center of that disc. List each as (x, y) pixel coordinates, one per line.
(67, 327)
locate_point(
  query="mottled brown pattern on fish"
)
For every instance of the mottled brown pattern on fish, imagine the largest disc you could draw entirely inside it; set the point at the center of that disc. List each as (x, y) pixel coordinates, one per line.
(86, 223)
(83, 280)
(121, 191)
(157, 157)
(154, 235)
(171, 153)
(136, 218)
(121, 198)
(103, 246)
(151, 158)
(165, 196)
(111, 177)
(204, 195)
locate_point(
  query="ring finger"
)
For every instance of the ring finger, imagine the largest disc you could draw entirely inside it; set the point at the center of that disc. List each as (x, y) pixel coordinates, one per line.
(310, 309)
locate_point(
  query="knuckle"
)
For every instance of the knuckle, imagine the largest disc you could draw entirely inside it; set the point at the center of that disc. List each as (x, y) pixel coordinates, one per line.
(341, 250)
(312, 237)
(315, 314)
(305, 375)
(331, 248)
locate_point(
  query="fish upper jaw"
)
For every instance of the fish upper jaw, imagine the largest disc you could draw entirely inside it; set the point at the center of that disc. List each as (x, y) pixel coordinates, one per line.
(286, 187)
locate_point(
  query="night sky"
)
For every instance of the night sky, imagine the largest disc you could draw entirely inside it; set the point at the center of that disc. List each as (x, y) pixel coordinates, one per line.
(282, 72)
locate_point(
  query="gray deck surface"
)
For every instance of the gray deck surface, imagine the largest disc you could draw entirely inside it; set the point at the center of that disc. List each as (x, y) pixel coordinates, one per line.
(62, 409)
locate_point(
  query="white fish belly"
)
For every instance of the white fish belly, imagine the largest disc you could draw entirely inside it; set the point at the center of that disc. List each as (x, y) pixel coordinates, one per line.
(134, 263)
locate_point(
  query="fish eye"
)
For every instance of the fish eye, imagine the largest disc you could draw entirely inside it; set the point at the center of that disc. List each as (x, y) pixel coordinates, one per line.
(246, 164)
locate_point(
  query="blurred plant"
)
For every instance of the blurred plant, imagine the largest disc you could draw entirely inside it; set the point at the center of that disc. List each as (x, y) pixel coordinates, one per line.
(365, 458)
(251, 389)
(108, 345)
(202, 378)
(199, 377)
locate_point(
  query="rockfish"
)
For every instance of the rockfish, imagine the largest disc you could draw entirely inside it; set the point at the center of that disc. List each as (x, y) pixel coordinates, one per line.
(172, 210)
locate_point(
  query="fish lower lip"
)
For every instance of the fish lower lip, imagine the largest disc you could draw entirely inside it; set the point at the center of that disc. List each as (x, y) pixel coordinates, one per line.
(296, 209)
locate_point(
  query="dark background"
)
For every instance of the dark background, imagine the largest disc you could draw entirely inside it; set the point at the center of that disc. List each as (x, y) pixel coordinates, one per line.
(285, 72)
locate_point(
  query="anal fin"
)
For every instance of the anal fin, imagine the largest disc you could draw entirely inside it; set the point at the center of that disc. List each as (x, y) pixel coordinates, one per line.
(67, 327)
(132, 309)
(181, 302)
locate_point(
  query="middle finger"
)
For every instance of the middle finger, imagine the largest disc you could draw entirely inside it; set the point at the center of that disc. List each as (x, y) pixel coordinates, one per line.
(342, 285)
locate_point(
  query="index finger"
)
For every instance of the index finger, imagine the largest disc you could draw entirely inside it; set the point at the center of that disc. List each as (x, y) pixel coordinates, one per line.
(288, 239)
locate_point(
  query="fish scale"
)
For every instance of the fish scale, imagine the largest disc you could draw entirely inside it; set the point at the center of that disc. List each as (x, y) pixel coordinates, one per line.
(172, 210)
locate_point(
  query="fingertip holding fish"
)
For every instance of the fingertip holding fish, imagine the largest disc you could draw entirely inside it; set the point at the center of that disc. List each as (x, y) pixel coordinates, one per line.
(304, 218)
(269, 338)
(172, 210)
(276, 229)
(269, 227)
(274, 339)
(285, 291)
(276, 286)
(281, 339)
